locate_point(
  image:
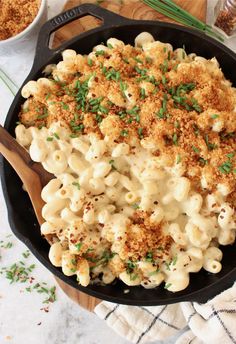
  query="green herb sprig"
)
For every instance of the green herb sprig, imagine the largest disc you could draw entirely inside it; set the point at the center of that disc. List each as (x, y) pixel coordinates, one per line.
(169, 9)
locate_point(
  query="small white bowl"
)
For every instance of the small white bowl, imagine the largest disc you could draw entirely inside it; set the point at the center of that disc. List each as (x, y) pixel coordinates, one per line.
(27, 37)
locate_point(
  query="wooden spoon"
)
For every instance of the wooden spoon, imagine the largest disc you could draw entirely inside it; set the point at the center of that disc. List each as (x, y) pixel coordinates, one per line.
(32, 174)
(34, 178)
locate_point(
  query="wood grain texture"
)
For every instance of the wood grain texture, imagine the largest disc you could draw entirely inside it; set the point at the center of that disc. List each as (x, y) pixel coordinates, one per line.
(128, 8)
(84, 300)
(32, 174)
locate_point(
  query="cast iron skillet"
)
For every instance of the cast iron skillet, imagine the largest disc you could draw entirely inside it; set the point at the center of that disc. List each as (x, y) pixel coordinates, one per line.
(21, 215)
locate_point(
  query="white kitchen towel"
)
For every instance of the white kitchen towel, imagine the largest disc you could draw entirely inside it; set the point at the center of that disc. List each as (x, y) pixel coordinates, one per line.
(213, 322)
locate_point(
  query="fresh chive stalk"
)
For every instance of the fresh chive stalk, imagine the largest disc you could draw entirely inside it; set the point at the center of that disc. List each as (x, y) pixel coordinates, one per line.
(173, 11)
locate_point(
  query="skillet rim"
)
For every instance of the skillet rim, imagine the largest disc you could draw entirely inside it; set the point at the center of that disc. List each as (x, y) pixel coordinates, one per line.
(216, 286)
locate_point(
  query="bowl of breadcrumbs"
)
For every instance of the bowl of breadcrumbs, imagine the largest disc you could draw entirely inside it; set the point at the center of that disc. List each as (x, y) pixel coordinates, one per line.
(20, 22)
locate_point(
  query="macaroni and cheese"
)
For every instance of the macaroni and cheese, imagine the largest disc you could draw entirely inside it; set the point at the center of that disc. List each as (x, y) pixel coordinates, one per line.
(141, 141)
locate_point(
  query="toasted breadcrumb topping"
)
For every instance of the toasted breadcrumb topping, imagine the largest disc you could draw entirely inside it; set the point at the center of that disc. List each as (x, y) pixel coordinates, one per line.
(15, 16)
(182, 109)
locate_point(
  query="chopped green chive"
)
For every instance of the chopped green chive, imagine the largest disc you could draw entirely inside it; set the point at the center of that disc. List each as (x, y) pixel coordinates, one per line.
(203, 161)
(148, 59)
(126, 60)
(111, 162)
(196, 150)
(163, 78)
(135, 206)
(56, 136)
(149, 257)
(210, 146)
(140, 133)
(174, 260)
(142, 93)
(175, 139)
(167, 285)
(109, 45)
(230, 155)
(45, 115)
(49, 138)
(100, 52)
(124, 133)
(142, 72)
(48, 95)
(123, 88)
(178, 159)
(77, 185)
(90, 62)
(78, 246)
(138, 60)
(64, 105)
(214, 116)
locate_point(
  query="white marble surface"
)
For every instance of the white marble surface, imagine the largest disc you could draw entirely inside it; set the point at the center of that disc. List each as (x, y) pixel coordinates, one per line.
(22, 319)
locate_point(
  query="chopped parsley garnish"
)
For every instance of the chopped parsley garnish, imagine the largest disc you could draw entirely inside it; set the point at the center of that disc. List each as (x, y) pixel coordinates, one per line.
(214, 116)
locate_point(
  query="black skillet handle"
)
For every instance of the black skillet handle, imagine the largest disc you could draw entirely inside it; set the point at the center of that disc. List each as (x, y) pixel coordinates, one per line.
(44, 53)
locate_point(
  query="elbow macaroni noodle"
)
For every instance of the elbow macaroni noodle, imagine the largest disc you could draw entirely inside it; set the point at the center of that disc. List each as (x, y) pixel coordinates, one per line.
(116, 209)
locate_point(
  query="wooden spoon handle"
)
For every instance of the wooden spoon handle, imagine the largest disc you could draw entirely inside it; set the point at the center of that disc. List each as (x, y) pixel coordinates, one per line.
(10, 148)
(32, 174)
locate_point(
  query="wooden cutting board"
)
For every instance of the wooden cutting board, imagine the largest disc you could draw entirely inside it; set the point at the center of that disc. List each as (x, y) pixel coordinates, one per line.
(128, 8)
